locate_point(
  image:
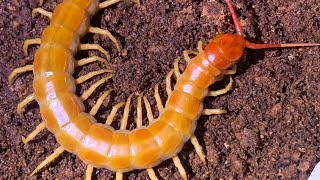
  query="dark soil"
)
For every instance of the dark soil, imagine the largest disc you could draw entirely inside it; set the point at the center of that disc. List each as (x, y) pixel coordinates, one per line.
(271, 130)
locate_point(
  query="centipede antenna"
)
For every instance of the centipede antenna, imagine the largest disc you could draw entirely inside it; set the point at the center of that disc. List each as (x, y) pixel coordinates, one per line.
(235, 18)
(266, 46)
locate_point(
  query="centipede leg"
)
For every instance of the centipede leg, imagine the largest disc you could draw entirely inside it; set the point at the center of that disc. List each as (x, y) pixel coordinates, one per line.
(95, 108)
(84, 78)
(88, 92)
(168, 82)
(106, 33)
(186, 54)
(139, 111)
(178, 164)
(89, 171)
(19, 71)
(88, 60)
(41, 2)
(29, 42)
(111, 2)
(176, 67)
(148, 108)
(231, 71)
(119, 175)
(50, 158)
(209, 112)
(158, 98)
(23, 103)
(95, 47)
(198, 148)
(42, 12)
(114, 112)
(34, 133)
(222, 91)
(124, 120)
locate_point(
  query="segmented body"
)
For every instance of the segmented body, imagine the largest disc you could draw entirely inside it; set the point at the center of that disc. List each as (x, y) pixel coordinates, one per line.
(98, 144)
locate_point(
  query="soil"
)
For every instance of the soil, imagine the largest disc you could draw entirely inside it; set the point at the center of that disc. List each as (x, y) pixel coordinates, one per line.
(271, 130)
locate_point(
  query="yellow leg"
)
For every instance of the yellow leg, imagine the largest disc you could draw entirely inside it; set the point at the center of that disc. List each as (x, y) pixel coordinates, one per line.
(200, 45)
(42, 12)
(158, 99)
(29, 42)
(139, 111)
(88, 92)
(220, 77)
(186, 54)
(198, 148)
(89, 171)
(95, 47)
(106, 33)
(148, 108)
(88, 60)
(19, 71)
(33, 134)
(96, 107)
(119, 175)
(114, 112)
(176, 67)
(50, 158)
(23, 103)
(181, 170)
(124, 120)
(84, 78)
(151, 174)
(231, 71)
(168, 82)
(209, 112)
(222, 91)
(41, 2)
(111, 2)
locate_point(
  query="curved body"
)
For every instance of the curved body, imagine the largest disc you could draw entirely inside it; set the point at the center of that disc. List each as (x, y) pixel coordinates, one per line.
(100, 145)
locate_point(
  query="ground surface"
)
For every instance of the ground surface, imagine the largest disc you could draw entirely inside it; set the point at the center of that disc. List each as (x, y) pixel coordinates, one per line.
(271, 130)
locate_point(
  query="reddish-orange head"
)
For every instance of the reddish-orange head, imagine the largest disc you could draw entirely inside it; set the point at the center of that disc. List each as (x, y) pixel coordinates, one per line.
(231, 45)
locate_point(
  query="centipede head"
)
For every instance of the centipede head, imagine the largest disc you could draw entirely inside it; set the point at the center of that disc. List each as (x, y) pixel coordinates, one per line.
(230, 45)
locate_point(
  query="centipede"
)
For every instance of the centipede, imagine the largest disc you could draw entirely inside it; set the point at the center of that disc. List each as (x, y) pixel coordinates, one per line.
(99, 145)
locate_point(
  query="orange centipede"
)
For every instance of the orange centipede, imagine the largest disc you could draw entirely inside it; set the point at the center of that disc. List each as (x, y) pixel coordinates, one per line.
(99, 145)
